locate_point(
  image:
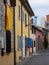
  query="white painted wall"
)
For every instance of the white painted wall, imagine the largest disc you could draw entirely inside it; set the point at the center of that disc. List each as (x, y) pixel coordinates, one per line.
(43, 21)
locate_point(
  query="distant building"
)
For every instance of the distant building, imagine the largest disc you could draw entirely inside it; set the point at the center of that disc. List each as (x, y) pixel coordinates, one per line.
(39, 38)
(47, 21)
(34, 20)
(47, 18)
(43, 22)
(33, 36)
(36, 35)
(47, 26)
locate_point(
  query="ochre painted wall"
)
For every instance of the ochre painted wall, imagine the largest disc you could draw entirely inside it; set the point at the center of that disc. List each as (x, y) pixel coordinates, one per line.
(7, 59)
(18, 28)
(25, 28)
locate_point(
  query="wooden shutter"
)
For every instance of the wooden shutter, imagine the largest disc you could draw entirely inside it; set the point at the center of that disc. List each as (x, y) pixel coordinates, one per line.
(8, 17)
(8, 41)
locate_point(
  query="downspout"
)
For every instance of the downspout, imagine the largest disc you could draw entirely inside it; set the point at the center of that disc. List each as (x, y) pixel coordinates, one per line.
(28, 27)
(14, 35)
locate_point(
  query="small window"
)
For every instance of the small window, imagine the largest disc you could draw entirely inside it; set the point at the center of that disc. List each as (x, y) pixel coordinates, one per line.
(13, 2)
(32, 30)
(48, 26)
(34, 43)
(8, 1)
(20, 45)
(19, 12)
(23, 17)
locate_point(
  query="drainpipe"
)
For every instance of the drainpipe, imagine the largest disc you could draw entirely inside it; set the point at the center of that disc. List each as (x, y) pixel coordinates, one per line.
(14, 35)
(28, 32)
(13, 4)
(28, 27)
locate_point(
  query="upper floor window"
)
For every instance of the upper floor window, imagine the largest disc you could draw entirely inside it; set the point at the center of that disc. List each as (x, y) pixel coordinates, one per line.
(34, 43)
(33, 30)
(8, 1)
(48, 27)
(25, 19)
(19, 12)
(23, 16)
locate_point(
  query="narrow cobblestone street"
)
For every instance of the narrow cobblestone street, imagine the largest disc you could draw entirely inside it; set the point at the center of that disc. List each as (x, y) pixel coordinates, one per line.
(41, 58)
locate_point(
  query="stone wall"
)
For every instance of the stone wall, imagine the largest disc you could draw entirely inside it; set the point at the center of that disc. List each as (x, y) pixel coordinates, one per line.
(7, 59)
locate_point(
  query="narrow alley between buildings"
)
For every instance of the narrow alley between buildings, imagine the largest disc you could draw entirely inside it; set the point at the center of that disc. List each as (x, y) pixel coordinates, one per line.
(40, 58)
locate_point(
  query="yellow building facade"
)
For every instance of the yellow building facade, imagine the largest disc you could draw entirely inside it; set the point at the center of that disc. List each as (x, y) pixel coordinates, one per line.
(23, 12)
(22, 27)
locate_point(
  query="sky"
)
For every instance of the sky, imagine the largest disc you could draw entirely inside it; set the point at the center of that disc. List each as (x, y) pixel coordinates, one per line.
(40, 8)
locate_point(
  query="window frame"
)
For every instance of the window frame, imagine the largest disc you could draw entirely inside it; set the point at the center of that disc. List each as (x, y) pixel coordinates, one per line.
(25, 19)
(19, 12)
(23, 16)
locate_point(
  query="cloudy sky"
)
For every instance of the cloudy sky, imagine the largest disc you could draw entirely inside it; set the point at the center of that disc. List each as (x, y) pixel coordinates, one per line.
(40, 7)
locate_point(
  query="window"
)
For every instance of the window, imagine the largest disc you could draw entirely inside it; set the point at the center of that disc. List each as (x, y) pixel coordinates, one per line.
(8, 41)
(34, 43)
(19, 12)
(13, 2)
(48, 27)
(20, 45)
(23, 17)
(8, 1)
(32, 29)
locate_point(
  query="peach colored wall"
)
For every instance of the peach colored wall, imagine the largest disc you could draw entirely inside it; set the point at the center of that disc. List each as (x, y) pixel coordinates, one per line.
(38, 33)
